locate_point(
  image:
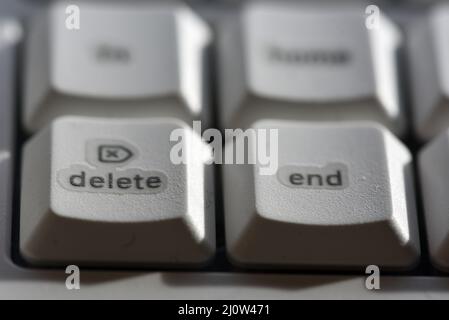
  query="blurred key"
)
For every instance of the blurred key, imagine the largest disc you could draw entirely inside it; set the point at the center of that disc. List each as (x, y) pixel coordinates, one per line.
(342, 197)
(309, 62)
(10, 34)
(434, 171)
(144, 59)
(428, 51)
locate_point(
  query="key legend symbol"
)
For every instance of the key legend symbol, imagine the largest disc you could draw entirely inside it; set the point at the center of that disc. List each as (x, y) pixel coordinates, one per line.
(101, 152)
(113, 154)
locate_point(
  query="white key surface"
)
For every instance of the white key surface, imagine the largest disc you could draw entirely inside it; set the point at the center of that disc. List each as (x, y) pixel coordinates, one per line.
(309, 62)
(342, 197)
(10, 36)
(428, 50)
(144, 59)
(105, 192)
(434, 172)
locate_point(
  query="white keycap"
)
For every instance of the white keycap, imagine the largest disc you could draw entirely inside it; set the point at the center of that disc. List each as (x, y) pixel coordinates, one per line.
(10, 36)
(428, 50)
(342, 197)
(144, 59)
(98, 191)
(434, 173)
(309, 62)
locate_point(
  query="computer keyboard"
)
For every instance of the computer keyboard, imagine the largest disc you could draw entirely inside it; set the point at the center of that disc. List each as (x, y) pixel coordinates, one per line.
(343, 127)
